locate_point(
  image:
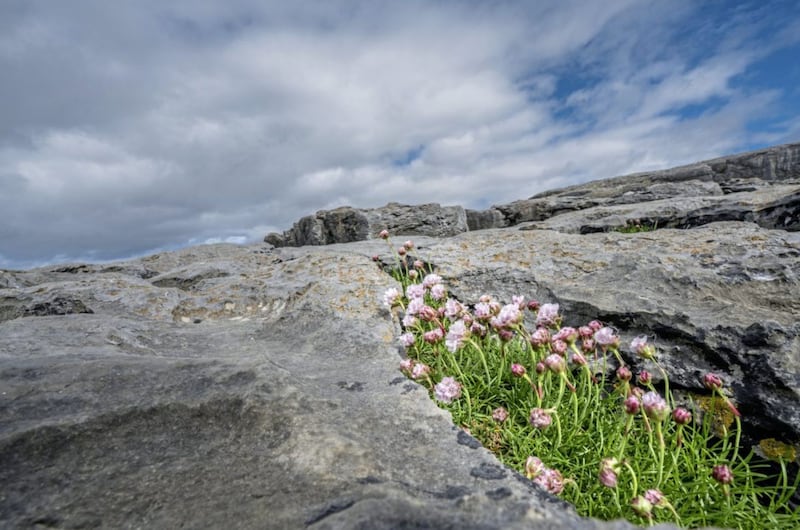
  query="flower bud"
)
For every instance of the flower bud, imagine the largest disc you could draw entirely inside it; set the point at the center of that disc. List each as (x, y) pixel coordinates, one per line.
(540, 337)
(624, 373)
(384, 234)
(408, 245)
(534, 467)
(559, 346)
(588, 345)
(540, 368)
(642, 507)
(401, 251)
(642, 349)
(585, 332)
(555, 363)
(655, 497)
(420, 370)
(654, 406)
(644, 377)
(518, 370)
(533, 305)
(595, 325)
(578, 359)
(606, 337)
(632, 405)
(712, 381)
(418, 264)
(433, 336)
(609, 467)
(681, 416)
(722, 474)
(540, 419)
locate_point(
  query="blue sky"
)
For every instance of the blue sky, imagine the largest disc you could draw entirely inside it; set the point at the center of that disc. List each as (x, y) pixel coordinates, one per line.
(133, 126)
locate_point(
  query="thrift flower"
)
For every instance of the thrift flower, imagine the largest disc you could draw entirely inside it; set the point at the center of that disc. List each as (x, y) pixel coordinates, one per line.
(518, 370)
(433, 336)
(427, 313)
(415, 290)
(519, 301)
(540, 337)
(509, 316)
(632, 404)
(408, 244)
(447, 390)
(455, 336)
(644, 377)
(384, 234)
(595, 325)
(453, 308)
(640, 347)
(654, 406)
(534, 467)
(409, 321)
(624, 373)
(548, 315)
(567, 334)
(609, 467)
(642, 507)
(551, 480)
(722, 474)
(681, 416)
(606, 337)
(420, 371)
(559, 346)
(407, 339)
(500, 414)
(438, 291)
(555, 363)
(406, 365)
(655, 497)
(418, 264)
(712, 381)
(483, 311)
(391, 297)
(430, 280)
(540, 419)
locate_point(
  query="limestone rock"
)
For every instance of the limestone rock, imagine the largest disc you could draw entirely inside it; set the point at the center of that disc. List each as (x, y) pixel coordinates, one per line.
(223, 386)
(344, 225)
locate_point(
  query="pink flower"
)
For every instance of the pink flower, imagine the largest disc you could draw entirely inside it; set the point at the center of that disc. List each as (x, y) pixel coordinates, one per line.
(418, 264)
(606, 337)
(681, 416)
(540, 337)
(384, 234)
(609, 467)
(578, 359)
(655, 497)
(534, 467)
(408, 244)
(624, 373)
(585, 332)
(519, 301)
(644, 377)
(415, 290)
(640, 347)
(642, 507)
(412, 274)
(406, 365)
(722, 474)
(654, 406)
(712, 381)
(517, 370)
(551, 480)
(483, 311)
(540, 419)
(391, 297)
(478, 329)
(428, 314)
(455, 336)
(555, 363)
(409, 321)
(447, 390)
(595, 325)
(453, 308)
(509, 316)
(567, 334)
(631, 404)
(548, 315)
(401, 251)
(587, 345)
(559, 346)
(430, 280)
(420, 370)
(438, 291)
(407, 339)
(433, 336)
(500, 414)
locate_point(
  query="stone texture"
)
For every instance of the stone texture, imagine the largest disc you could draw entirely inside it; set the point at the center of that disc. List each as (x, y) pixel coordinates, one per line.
(346, 224)
(224, 386)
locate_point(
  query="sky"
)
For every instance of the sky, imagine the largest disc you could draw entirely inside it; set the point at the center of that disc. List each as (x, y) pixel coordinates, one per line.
(131, 127)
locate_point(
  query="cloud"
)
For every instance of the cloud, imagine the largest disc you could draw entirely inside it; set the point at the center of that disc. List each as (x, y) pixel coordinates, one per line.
(149, 125)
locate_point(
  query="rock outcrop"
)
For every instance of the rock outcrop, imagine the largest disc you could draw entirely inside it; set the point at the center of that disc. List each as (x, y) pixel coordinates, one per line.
(258, 387)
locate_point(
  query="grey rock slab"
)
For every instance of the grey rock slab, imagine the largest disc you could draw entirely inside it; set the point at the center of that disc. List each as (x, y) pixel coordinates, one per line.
(132, 416)
(723, 297)
(770, 207)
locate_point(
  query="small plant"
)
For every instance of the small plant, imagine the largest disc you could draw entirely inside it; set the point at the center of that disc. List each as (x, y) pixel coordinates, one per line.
(560, 405)
(633, 226)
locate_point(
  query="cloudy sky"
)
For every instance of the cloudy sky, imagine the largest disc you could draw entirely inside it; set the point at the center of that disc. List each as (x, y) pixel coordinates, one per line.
(128, 127)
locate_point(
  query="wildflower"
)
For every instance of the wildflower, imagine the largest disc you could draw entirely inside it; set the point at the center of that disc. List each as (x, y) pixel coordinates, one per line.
(712, 381)
(541, 368)
(455, 336)
(548, 315)
(540, 337)
(500, 414)
(595, 325)
(654, 406)
(505, 334)
(375, 258)
(391, 297)
(401, 251)
(644, 377)
(412, 274)
(606, 337)
(519, 301)
(433, 336)
(453, 308)
(477, 329)
(384, 234)
(585, 332)
(428, 314)
(555, 363)
(406, 365)
(430, 280)
(533, 305)
(408, 244)
(722, 474)
(415, 291)
(681, 416)
(624, 373)
(518, 370)
(407, 339)
(587, 345)
(483, 311)
(632, 404)
(559, 346)
(640, 347)
(410, 321)
(642, 507)
(438, 291)
(418, 264)
(509, 316)
(447, 390)
(609, 467)
(578, 359)
(551, 480)
(534, 467)
(540, 419)
(420, 370)
(567, 334)
(655, 497)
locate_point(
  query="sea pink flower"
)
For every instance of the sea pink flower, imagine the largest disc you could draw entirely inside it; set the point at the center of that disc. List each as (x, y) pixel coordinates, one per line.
(478, 329)
(722, 474)
(410, 321)
(447, 390)
(540, 419)
(595, 325)
(632, 404)
(642, 507)
(585, 332)
(407, 339)
(517, 370)
(419, 264)
(712, 381)
(455, 336)
(559, 346)
(453, 308)
(430, 280)
(606, 337)
(609, 467)
(420, 370)
(401, 251)
(519, 300)
(428, 314)
(500, 414)
(588, 345)
(483, 311)
(555, 363)
(655, 497)
(391, 297)
(681, 416)
(641, 348)
(384, 234)
(534, 467)
(438, 291)
(551, 480)
(415, 291)
(548, 315)
(408, 244)
(644, 377)
(540, 337)
(654, 406)
(567, 334)
(433, 336)
(578, 359)
(406, 365)
(509, 316)
(624, 373)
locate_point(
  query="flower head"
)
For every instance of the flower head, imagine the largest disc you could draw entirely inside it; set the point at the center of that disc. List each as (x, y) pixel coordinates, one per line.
(540, 419)
(644, 377)
(548, 315)
(447, 390)
(517, 370)
(455, 336)
(642, 507)
(430, 280)
(681, 416)
(606, 337)
(500, 414)
(655, 497)
(407, 339)
(391, 297)
(559, 346)
(632, 404)
(551, 480)
(540, 337)
(624, 373)
(641, 348)
(438, 291)
(384, 234)
(433, 336)
(420, 370)
(408, 244)
(509, 316)
(555, 363)
(654, 406)
(609, 467)
(534, 467)
(415, 291)
(453, 308)
(712, 381)
(722, 474)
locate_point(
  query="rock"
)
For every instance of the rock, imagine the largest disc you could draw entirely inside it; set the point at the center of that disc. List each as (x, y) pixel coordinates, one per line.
(344, 225)
(224, 383)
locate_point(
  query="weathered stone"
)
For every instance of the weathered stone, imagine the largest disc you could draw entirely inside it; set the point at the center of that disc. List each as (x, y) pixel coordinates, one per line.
(344, 225)
(242, 386)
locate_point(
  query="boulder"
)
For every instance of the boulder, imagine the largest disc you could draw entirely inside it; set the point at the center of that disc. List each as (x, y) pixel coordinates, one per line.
(224, 386)
(346, 224)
